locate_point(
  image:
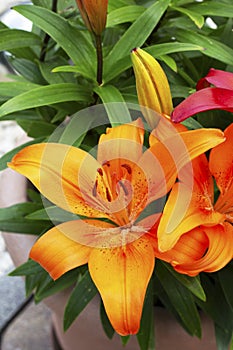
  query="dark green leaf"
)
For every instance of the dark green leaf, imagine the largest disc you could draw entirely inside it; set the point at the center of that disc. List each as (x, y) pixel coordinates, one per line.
(49, 287)
(191, 283)
(52, 77)
(114, 104)
(30, 267)
(68, 37)
(53, 214)
(13, 219)
(212, 47)
(135, 36)
(29, 70)
(225, 278)
(36, 129)
(83, 293)
(213, 8)
(15, 38)
(181, 300)
(145, 335)
(43, 96)
(124, 14)
(108, 329)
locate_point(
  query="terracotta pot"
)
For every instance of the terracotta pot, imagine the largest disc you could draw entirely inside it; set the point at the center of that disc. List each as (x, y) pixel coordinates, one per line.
(86, 332)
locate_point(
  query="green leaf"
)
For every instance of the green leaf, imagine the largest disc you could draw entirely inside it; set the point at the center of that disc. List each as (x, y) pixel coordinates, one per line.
(15, 38)
(29, 70)
(124, 14)
(225, 278)
(83, 293)
(212, 47)
(108, 329)
(13, 88)
(213, 8)
(45, 95)
(191, 283)
(9, 155)
(167, 48)
(192, 124)
(28, 268)
(53, 214)
(67, 36)
(170, 62)
(50, 76)
(145, 335)
(13, 219)
(198, 19)
(49, 287)
(78, 126)
(181, 299)
(135, 36)
(114, 104)
(156, 51)
(36, 129)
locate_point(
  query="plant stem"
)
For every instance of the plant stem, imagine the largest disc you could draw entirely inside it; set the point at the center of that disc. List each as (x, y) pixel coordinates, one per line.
(99, 53)
(47, 36)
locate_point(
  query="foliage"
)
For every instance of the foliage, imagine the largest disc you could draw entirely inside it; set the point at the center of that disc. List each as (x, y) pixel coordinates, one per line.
(56, 75)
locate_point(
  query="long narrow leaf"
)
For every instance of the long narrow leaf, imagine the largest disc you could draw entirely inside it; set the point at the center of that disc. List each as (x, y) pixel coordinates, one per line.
(84, 292)
(114, 104)
(43, 96)
(68, 37)
(136, 35)
(14, 38)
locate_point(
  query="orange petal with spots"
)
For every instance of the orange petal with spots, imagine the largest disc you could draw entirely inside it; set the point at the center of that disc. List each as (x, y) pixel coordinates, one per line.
(64, 174)
(58, 254)
(221, 166)
(122, 276)
(189, 205)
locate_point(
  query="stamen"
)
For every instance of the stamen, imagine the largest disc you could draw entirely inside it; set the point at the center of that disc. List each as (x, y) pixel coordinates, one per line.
(108, 195)
(100, 171)
(123, 187)
(94, 190)
(128, 168)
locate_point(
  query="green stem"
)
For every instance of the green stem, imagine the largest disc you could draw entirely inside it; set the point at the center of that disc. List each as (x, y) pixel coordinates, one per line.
(99, 53)
(47, 36)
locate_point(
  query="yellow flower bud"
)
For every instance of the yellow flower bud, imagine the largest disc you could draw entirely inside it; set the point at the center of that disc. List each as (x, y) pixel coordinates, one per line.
(94, 14)
(152, 87)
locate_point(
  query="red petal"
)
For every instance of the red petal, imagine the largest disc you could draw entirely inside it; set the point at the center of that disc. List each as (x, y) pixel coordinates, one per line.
(203, 100)
(218, 78)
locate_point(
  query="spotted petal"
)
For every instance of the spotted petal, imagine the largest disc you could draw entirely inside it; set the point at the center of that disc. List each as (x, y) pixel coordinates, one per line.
(57, 253)
(63, 174)
(122, 276)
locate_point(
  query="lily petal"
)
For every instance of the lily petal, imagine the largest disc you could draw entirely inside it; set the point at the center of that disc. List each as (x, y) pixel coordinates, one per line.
(122, 276)
(152, 87)
(221, 166)
(218, 255)
(122, 142)
(182, 213)
(64, 174)
(163, 160)
(221, 162)
(189, 204)
(203, 100)
(58, 254)
(218, 78)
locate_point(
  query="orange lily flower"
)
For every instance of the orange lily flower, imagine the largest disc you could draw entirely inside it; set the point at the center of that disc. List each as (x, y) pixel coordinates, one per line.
(117, 186)
(94, 14)
(202, 238)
